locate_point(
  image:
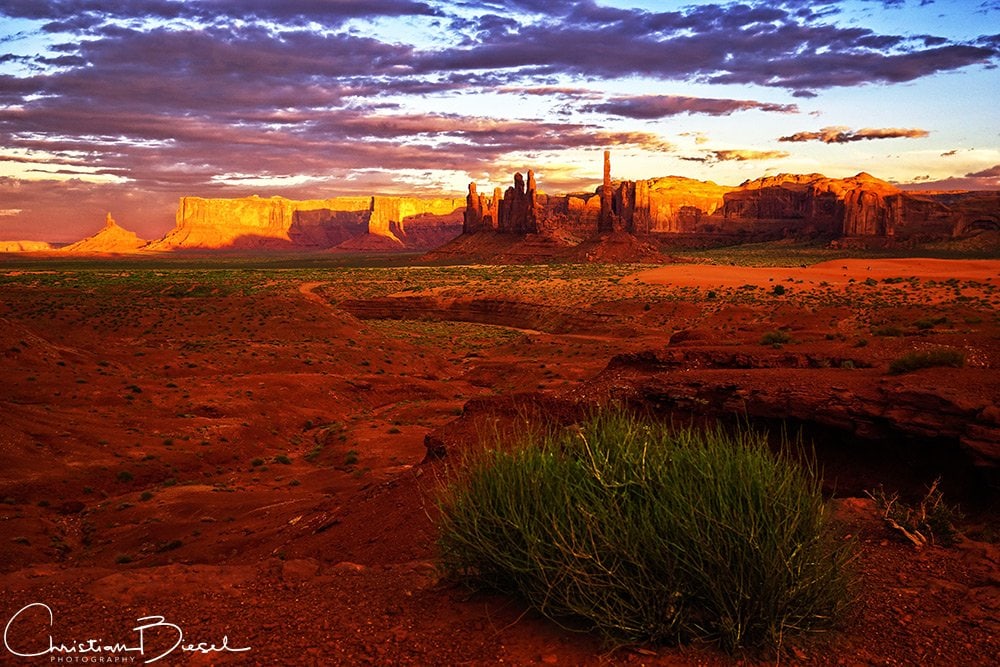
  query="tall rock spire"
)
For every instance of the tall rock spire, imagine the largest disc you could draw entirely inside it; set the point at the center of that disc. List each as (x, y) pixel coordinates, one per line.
(605, 222)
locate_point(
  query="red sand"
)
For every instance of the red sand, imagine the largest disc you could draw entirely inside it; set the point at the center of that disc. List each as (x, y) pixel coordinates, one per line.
(836, 272)
(328, 558)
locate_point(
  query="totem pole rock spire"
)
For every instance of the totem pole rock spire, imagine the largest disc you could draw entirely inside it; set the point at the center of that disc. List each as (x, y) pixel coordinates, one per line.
(605, 222)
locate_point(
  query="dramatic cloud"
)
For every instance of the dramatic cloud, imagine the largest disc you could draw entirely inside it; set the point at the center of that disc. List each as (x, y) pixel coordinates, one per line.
(843, 135)
(984, 179)
(660, 106)
(173, 97)
(82, 14)
(993, 173)
(773, 45)
(740, 155)
(735, 155)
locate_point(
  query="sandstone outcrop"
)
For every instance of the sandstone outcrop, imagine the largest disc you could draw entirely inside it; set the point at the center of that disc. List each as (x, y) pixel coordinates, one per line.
(481, 212)
(862, 209)
(25, 246)
(276, 222)
(111, 239)
(608, 219)
(935, 407)
(675, 204)
(517, 212)
(681, 211)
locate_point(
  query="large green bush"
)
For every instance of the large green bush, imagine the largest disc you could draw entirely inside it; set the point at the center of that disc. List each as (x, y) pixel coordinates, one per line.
(650, 533)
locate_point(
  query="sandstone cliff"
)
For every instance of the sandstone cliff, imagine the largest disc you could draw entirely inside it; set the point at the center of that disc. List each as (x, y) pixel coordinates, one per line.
(111, 239)
(517, 212)
(860, 209)
(863, 208)
(276, 222)
(671, 204)
(675, 204)
(25, 246)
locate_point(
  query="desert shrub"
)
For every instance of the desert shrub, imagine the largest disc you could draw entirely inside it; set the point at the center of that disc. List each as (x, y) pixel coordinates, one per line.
(931, 520)
(774, 338)
(912, 361)
(930, 322)
(778, 290)
(888, 331)
(648, 533)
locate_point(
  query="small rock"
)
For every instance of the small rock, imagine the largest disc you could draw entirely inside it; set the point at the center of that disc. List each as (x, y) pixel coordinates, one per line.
(301, 569)
(346, 566)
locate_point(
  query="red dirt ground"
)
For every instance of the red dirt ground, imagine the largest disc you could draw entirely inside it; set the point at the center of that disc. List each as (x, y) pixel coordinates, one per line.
(248, 463)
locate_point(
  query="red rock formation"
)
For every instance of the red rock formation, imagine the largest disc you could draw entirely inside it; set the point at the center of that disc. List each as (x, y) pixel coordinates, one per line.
(606, 221)
(974, 212)
(816, 204)
(675, 204)
(253, 222)
(25, 246)
(481, 212)
(112, 239)
(672, 204)
(518, 211)
(786, 205)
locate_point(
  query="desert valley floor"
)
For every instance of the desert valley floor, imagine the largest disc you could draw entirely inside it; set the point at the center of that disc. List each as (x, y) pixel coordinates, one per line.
(242, 447)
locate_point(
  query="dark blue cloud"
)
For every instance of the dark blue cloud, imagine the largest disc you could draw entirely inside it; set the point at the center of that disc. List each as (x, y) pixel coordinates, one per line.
(661, 106)
(170, 94)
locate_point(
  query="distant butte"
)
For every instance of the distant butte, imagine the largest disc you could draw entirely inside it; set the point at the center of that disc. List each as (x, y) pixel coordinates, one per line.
(111, 239)
(618, 221)
(860, 211)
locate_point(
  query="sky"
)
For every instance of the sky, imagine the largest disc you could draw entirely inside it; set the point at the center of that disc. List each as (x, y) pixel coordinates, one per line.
(124, 106)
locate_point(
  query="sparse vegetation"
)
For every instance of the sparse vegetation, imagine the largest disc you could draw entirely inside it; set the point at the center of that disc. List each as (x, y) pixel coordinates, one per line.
(775, 338)
(941, 357)
(888, 331)
(170, 545)
(930, 521)
(665, 535)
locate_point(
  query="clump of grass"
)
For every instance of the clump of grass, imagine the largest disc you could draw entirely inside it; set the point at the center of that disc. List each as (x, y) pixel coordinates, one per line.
(930, 521)
(170, 546)
(775, 338)
(648, 533)
(912, 361)
(887, 331)
(930, 322)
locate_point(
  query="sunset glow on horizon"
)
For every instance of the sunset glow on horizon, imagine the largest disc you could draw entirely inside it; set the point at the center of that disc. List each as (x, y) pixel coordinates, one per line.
(126, 106)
